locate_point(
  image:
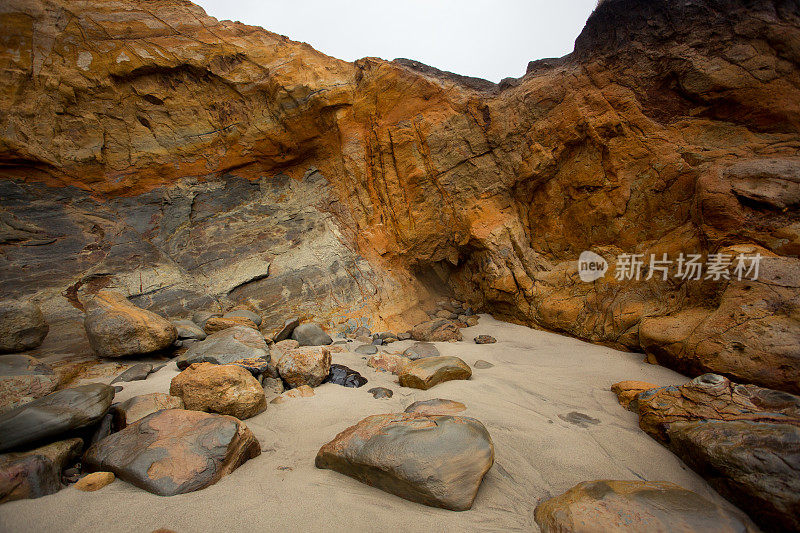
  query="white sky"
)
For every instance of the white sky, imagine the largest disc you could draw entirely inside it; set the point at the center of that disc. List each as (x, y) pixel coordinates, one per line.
(482, 38)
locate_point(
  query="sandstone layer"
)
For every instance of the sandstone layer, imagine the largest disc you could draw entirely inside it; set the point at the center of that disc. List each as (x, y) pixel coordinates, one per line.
(148, 148)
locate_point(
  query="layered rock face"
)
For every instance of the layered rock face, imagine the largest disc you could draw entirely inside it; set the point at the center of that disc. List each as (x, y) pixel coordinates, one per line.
(148, 148)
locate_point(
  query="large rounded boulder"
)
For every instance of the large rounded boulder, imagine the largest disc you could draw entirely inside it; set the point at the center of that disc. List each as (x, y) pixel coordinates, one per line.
(306, 365)
(117, 328)
(22, 326)
(225, 347)
(223, 389)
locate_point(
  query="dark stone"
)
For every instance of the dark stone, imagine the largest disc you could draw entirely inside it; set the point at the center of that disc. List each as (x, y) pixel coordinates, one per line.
(485, 339)
(175, 451)
(102, 429)
(381, 392)
(755, 465)
(366, 349)
(137, 372)
(189, 330)
(434, 460)
(288, 328)
(420, 350)
(311, 335)
(225, 347)
(54, 414)
(346, 377)
(37, 472)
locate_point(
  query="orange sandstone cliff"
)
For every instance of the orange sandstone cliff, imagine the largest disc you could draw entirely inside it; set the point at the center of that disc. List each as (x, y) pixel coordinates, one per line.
(188, 161)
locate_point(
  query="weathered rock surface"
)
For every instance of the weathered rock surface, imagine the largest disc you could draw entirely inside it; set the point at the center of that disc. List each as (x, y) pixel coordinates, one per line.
(628, 393)
(138, 407)
(306, 365)
(303, 391)
(189, 330)
(94, 481)
(217, 324)
(286, 331)
(389, 362)
(366, 349)
(24, 378)
(137, 372)
(175, 451)
(755, 465)
(418, 350)
(437, 330)
(117, 328)
(311, 335)
(244, 313)
(54, 414)
(380, 392)
(485, 339)
(436, 406)
(360, 190)
(226, 347)
(37, 472)
(435, 460)
(430, 371)
(22, 326)
(346, 377)
(222, 389)
(628, 506)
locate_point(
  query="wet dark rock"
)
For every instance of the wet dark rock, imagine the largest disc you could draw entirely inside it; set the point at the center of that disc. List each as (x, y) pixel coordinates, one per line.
(175, 451)
(346, 377)
(22, 326)
(377, 342)
(485, 339)
(24, 378)
(54, 414)
(482, 365)
(35, 473)
(419, 350)
(434, 460)
(102, 429)
(381, 392)
(137, 372)
(225, 347)
(311, 335)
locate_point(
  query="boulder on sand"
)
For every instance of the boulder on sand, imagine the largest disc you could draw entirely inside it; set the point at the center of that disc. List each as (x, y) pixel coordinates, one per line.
(117, 328)
(226, 347)
(35, 473)
(425, 373)
(346, 377)
(23, 379)
(485, 339)
(389, 362)
(138, 407)
(436, 406)
(223, 389)
(306, 365)
(94, 481)
(137, 372)
(634, 506)
(311, 335)
(436, 330)
(434, 460)
(22, 326)
(54, 414)
(175, 451)
(420, 350)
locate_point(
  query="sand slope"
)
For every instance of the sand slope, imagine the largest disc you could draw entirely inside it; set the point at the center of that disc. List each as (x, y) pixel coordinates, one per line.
(537, 377)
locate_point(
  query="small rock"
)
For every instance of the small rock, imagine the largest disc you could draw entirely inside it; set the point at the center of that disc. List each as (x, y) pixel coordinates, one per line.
(287, 329)
(482, 365)
(214, 325)
(436, 406)
(307, 365)
(381, 392)
(117, 328)
(607, 505)
(628, 392)
(311, 335)
(437, 330)
(244, 313)
(175, 451)
(303, 391)
(137, 372)
(389, 362)
(377, 342)
(222, 389)
(485, 339)
(22, 326)
(23, 379)
(54, 414)
(420, 350)
(434, 460)
(366, 349)
(138, 407)
(35, 473)
(94, 481)
(346, 377)
(189, 330)
(430, 371)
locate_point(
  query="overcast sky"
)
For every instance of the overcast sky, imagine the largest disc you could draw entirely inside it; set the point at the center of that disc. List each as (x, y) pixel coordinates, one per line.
(490, 39)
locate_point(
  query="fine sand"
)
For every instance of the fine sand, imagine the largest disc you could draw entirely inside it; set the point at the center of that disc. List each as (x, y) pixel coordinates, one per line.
(536, 377)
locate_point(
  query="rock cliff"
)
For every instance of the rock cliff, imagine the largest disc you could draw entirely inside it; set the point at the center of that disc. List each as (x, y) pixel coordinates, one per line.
(147, 147)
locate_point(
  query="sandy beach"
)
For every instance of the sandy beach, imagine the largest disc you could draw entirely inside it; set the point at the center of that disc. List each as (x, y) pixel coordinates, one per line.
(537, 378)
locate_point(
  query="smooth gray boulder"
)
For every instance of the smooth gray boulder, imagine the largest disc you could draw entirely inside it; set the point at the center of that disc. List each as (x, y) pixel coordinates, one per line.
(189, 330)
(420, 350)
(311, 335)
(225, 347)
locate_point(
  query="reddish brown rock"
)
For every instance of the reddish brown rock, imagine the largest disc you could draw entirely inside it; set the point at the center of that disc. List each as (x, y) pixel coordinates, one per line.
(24, 378)
(435, 460)
(307, 365)
(437, 330)
(628, 506)
(303, 391)
(175, 451)
(216, 324)
(37, 472)
(223, 389)
(138, 407)
(628, 391)
(389, 362)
